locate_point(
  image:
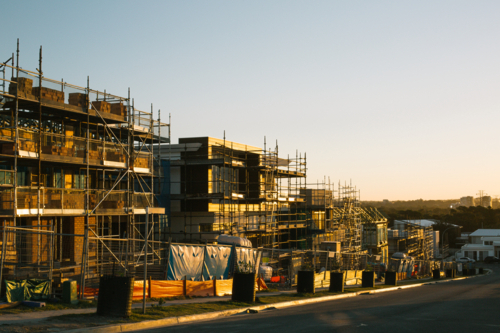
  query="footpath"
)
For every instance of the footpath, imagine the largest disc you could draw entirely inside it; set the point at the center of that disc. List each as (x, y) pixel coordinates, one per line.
(39, 317)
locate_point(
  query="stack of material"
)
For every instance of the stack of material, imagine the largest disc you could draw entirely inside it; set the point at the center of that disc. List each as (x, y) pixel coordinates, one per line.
(118, 109)
(63, 151)
(94, 155)
(141, 162)
(23, 87)
(49, 94)
(78, 99)
(27, 146)
(6, 132)
(27, 200)
(101, 106)
(74, 200)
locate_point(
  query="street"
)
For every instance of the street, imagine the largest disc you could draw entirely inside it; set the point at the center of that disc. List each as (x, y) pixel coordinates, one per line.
(465, 305)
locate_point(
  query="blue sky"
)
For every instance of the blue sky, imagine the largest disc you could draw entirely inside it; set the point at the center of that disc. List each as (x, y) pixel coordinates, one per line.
(399, 96)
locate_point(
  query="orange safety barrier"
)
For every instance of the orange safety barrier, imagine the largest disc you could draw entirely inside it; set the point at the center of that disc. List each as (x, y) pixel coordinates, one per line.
(278, 279)
(224, 287)
(138, 289)
(88, 292)
(166, 288)
(200, 288)
(261, 284)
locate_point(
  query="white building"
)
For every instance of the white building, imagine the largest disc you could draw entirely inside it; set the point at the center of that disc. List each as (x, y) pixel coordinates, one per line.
(482, 243)
(467, 201)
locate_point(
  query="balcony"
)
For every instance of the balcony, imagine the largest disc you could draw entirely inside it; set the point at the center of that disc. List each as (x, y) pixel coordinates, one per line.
(56, 201)
(61, 148)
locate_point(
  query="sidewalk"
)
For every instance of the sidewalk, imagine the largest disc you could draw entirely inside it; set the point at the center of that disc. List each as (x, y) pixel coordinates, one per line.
(37, 316)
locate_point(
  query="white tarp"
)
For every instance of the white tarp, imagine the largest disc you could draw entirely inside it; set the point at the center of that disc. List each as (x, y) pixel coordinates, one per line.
(217, 261)
(185, 260)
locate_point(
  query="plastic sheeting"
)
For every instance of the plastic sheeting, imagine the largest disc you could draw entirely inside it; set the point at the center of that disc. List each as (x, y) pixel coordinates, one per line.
(167, 288)
(353, 277)
(185, 261)
(37, 289)
(217, 262)
(15, 290)
(200, 288)
(193, 288)
(224, 287)
(26, 290)
(245, 257)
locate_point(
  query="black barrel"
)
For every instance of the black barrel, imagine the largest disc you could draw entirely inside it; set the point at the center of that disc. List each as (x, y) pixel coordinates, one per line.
(481, 270)
(449, 273)
(115, 296)
(436, 274)
(391, 278)
(305, 282)
(368, 279)
(243, 287)
(337, 282)
(465, 271)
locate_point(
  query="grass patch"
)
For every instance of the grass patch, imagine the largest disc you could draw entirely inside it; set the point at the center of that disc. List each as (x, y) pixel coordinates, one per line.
(160, 312)
(49, 307)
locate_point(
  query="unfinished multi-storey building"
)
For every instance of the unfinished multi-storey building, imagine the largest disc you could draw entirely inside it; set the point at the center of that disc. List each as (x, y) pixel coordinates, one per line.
(76, 175)
(412, 238)
(340, 219)
(374, 233)
(221, 187)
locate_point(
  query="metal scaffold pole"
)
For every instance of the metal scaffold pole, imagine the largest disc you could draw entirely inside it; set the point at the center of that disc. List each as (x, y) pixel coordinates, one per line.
(146, 236)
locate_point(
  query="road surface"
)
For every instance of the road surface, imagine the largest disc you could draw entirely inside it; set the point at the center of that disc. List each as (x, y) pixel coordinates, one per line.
(470, 305)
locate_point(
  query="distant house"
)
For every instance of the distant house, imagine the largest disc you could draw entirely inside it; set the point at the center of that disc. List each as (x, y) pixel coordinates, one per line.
(482, 243)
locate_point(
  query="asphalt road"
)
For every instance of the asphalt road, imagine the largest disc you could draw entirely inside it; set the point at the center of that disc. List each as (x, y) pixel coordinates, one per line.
(470, 305)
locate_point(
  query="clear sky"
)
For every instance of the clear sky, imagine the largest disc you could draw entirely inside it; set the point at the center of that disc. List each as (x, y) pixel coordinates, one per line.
(402, 97)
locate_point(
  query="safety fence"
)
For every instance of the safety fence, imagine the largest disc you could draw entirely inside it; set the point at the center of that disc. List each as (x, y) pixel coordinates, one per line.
(281, 266)
(57, 251)
(167, 288)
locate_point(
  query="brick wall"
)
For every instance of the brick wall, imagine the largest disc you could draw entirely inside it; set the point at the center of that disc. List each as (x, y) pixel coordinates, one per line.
(37, 244)
(74, 245)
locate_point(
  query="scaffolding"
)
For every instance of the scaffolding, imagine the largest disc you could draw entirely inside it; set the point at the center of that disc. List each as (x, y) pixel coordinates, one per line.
(414, 240)
(222, 187)
(77, 176)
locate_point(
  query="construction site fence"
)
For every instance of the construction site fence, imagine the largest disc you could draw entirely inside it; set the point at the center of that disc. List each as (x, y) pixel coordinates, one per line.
(167, 288)
(52, 252)
(285, 264)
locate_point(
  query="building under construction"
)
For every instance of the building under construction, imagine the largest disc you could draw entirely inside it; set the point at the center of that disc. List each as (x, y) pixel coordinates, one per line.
(412, 238)
(336, 216)
(221, 187)
(76, 178)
